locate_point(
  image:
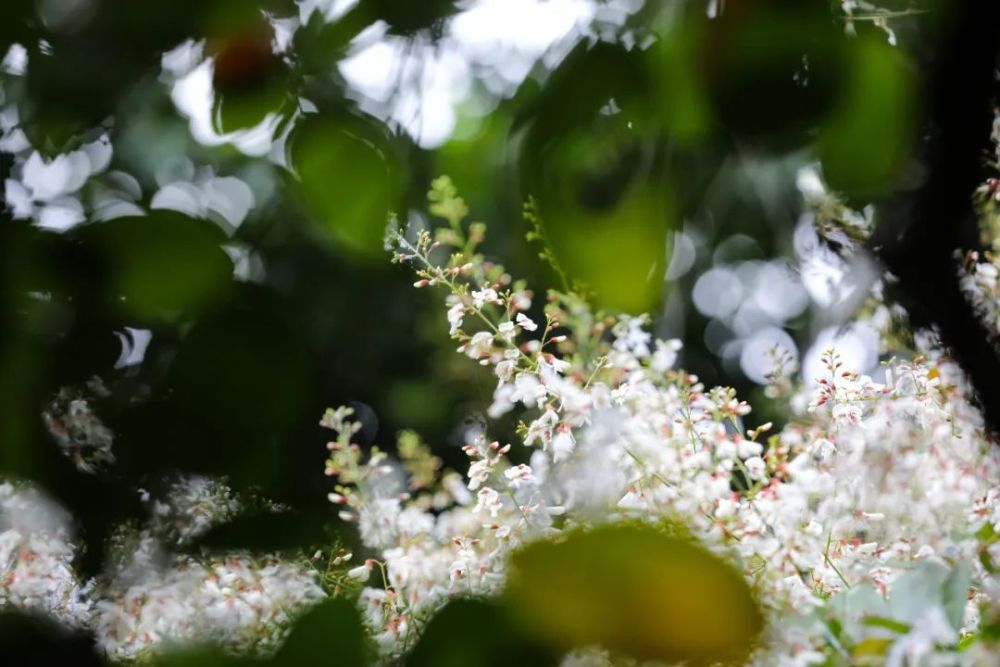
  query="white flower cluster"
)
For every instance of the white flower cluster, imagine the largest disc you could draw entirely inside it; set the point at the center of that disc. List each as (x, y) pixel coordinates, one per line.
(36, 557)
(79, 432)
(152, 598)
(981, 286)
(868, 524)
(239, 601)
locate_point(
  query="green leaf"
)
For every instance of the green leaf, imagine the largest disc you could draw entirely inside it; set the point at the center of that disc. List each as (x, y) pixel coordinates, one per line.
(872, 646)
(331, 633)
(476, 632)
(886, 623)
(249, 79)
(772, 69)
(204, 657)
(590, 161)
(328, 635)
(869, 138)
(635, 590)
(348, 178)
(162, 263)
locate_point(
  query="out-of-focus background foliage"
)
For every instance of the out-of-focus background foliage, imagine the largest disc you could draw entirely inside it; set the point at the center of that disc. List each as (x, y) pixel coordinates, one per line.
(196, 194)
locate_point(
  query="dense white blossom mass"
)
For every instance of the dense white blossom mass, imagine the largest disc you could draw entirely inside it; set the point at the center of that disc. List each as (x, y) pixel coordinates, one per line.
(869, 523)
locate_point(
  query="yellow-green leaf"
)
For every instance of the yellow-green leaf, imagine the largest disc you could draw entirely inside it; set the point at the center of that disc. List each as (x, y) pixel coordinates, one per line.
(872, 646)
(636, 590)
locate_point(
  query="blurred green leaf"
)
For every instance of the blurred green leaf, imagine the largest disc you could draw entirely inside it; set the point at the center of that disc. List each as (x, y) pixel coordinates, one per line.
(869, 138)
(772, 69)
(590, 161)
(204, 657)
(331, 633)
(872, 646)
(161, 264)
(249, 78)
(683, 103)
(635, 590)
(477, 632)
(347, 178)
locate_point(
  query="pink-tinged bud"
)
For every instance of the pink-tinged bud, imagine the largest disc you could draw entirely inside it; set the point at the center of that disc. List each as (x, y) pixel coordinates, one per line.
(421, 283)
(333, 446)
(330, 471)
(348, 516)
(336, 498)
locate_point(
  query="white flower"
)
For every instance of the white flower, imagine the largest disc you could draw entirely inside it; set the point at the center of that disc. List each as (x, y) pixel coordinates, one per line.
(484, 296)
(505, 370)
(488, 500)
(479, 345)
(528, 390)
(519, 475)
(755, 466)
(666, 355)
(506, 330)
(455, 315)
(540, 430)
(525, 322)
(479, 472)
(377, 522)
(562, 444)
(361, 572)
(631, 337)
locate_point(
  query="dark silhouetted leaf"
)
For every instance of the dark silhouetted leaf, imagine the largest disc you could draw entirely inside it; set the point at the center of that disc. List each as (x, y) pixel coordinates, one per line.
(330, 634)
(35, 640)
(772, 68)
(477, 632)
(161, 264)
(406, 18)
